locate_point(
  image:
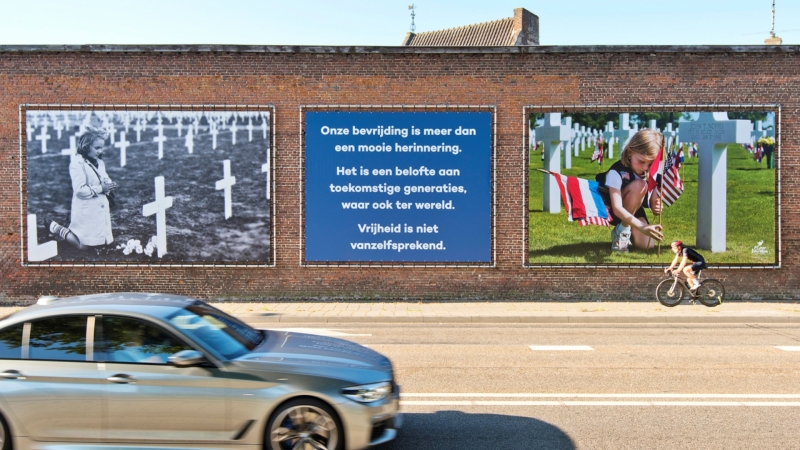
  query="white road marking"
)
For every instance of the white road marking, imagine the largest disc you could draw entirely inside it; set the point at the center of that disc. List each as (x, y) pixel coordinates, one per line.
(788, 348)
(550, 348)
(587, 403)
(577, 395)
(318, 331)
(715, 400)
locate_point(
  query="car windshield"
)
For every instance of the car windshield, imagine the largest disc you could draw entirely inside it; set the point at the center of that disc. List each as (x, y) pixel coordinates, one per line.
(227, 335)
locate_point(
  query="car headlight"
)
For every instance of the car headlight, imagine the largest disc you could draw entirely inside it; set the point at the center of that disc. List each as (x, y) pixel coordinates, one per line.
(368, 393)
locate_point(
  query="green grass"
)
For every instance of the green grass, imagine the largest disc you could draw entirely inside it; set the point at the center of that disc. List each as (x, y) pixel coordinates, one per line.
(750, 219)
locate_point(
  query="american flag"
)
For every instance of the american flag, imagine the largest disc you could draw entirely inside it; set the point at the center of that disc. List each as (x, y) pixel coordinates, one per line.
(673, 186)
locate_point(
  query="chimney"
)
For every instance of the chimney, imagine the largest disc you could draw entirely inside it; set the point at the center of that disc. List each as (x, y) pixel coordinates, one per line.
(526, 27)
(773, 40)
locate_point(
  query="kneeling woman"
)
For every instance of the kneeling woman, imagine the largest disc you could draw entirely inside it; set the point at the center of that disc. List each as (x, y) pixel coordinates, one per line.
(90, 219)
(627, 196)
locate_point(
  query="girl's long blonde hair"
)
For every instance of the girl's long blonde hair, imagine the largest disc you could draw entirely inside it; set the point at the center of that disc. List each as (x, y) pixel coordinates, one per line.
(646, 142)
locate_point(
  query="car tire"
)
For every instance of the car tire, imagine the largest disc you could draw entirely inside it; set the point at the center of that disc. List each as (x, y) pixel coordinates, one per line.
(5, 436)
(304, 419)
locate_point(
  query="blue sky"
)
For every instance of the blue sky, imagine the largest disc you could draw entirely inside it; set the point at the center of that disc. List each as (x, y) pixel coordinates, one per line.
(385, 22)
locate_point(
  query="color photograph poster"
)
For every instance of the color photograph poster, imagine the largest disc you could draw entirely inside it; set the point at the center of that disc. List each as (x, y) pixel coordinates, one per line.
(715, 178)
(147, 186)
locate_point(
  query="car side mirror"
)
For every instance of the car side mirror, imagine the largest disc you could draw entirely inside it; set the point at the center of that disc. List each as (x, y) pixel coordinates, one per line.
(186, 358)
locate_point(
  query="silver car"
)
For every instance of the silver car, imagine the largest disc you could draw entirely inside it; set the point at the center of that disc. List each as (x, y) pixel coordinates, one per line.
(161, 371)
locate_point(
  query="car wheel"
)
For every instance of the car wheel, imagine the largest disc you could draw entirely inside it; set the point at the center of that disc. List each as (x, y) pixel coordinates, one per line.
(304, 423)
(5, 435)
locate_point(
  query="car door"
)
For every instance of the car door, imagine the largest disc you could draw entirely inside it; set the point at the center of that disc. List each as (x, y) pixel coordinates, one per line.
(150, 400)
(50, 383)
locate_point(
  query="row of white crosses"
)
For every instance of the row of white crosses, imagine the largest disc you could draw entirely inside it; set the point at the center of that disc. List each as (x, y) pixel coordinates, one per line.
(217, 121)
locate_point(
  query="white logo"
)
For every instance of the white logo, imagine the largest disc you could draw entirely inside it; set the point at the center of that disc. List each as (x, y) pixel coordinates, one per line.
(760, 249)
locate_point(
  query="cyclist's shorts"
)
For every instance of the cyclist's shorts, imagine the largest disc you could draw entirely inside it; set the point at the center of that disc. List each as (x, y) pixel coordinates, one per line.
(698, 266)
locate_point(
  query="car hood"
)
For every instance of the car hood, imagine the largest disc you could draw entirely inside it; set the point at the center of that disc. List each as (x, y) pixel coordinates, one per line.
(305, 351)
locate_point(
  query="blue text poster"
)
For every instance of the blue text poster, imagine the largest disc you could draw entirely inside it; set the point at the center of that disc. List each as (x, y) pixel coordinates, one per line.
(398, 187)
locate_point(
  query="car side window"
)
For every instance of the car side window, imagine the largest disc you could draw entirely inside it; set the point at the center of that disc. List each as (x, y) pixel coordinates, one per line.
(61, 338)
(127, 340)
(11, 342)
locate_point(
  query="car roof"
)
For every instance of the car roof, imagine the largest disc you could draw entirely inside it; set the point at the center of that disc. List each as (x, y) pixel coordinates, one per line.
(138, 303)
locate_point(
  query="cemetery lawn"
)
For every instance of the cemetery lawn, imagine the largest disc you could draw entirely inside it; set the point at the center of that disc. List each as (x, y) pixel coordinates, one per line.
(750, 218)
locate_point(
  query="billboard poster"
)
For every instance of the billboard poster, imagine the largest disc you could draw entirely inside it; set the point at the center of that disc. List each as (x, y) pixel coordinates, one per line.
(398, 187)
(604, 187)
(137, 186)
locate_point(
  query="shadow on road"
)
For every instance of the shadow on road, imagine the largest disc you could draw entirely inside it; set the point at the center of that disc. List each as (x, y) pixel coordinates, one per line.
(464, 431)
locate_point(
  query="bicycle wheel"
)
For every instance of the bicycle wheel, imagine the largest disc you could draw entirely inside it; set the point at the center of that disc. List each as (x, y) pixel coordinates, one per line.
(711, 292)
(668, 296)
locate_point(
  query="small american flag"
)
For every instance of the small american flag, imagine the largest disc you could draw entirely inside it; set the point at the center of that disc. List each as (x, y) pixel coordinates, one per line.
(673, 186)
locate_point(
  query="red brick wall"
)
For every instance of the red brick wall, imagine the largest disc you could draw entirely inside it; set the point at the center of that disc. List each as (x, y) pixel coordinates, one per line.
(289, 78)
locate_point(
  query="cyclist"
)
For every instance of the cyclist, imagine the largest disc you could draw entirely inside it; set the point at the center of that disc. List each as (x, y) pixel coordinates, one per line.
(688, 254)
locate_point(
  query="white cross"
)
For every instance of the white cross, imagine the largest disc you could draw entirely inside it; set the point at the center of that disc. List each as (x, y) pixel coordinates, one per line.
(179, 126)
(552, 133)
(30, 129)
(112, 130)
(653, 125)
(122, 145)
(758, 133)
(608, 135)
(625, 133)
(196, 124)
(264, 125)
(214, 133)
(250, 129)
(225, 183)
(59, 127)
(576, 139)
(584, 137)
(73, 147)
(713, 132)
(189, 141)
(234, 129)
(669, 135)
(138, 128)
(159, 208)
(37, 252)
(43, 137)
(567, 145)
(160, 139)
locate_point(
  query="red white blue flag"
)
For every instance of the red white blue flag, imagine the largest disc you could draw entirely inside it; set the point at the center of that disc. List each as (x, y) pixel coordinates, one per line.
(673, 186)
(582, 200)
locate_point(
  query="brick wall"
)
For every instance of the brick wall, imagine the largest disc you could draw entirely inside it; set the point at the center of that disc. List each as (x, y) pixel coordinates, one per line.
(509, 78)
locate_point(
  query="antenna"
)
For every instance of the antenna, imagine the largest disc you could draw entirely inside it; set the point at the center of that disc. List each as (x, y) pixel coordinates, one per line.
(414, 27)
(771, 33)
(772, 39)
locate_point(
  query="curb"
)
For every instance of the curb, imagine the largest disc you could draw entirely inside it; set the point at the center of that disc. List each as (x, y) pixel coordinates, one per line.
(562, 319)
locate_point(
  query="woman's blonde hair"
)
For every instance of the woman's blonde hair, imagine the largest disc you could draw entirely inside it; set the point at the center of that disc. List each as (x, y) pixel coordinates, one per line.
(646, 142)
(86, 139)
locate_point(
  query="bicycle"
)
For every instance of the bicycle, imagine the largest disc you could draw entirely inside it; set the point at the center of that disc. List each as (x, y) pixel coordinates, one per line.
(670, 292)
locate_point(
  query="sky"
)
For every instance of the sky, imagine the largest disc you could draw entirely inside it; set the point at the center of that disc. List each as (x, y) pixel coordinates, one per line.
(385, 22)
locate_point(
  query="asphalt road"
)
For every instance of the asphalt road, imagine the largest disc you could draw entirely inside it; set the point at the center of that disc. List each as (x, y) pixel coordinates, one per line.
(622, 386)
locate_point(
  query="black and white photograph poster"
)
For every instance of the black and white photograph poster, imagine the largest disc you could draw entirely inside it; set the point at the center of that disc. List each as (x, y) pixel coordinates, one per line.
(142, 186)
